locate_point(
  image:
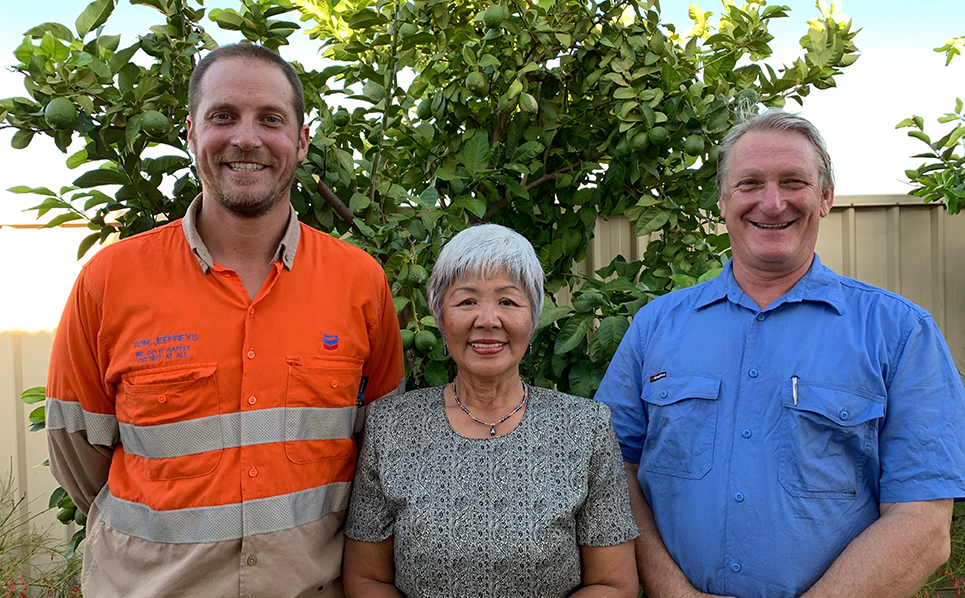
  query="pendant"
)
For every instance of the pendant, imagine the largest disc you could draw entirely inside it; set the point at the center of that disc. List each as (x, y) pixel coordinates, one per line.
(492, 430)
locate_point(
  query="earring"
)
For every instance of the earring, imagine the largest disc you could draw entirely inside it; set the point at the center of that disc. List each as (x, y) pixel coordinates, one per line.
(445, 347)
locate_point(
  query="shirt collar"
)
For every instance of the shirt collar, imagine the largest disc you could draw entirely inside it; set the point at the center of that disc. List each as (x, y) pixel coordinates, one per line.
(819, 283)
(286, 248)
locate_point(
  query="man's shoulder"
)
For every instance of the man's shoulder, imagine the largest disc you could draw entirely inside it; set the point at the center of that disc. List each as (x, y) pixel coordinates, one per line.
(322, 244)
(131, 251)
(862, 295)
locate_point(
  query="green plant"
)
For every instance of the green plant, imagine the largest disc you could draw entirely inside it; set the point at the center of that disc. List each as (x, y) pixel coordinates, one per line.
(542, 117)
(31, 562)
(942, 178)
(67, 512)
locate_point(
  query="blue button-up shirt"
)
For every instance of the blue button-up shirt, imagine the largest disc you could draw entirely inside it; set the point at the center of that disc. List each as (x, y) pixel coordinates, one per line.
(767, 438)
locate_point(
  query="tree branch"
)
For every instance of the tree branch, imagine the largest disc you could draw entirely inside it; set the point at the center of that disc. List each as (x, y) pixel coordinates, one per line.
(333, 200)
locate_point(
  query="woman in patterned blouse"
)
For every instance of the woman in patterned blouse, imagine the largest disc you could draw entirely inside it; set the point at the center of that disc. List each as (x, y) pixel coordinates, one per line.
(489, 487)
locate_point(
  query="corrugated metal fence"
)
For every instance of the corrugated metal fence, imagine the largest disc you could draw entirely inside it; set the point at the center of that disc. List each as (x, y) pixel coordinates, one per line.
(892, 241)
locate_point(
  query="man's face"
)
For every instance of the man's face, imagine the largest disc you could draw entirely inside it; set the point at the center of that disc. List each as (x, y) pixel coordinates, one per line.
(245, 136)
(773, 202)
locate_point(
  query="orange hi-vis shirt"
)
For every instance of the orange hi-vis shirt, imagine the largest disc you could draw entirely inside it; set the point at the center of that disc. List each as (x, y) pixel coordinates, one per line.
(226, 423)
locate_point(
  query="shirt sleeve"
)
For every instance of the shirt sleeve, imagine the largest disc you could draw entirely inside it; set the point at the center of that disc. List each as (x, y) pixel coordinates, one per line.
(921, 444)
(622, 390)
(384, 367)
(371, 517)
(81, 422)
(605, 518)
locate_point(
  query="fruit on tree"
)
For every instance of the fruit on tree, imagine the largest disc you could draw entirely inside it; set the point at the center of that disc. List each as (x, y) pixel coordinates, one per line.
(60, 114)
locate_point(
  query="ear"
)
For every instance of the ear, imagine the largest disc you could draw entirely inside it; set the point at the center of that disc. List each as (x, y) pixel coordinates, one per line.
(826, 202)
(722, 205)
(303, 137)
(190, 124)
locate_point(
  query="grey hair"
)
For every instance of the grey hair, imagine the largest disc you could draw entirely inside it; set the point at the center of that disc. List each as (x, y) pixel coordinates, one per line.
(775, 120)
(485, 250)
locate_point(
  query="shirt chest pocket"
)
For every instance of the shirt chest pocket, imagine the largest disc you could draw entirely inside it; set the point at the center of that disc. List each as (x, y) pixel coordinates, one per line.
(828, 436)
(170, 421)
(682, 425)
(321, 404)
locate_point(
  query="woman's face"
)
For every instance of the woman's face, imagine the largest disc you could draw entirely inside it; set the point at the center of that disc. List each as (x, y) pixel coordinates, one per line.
(487, 323)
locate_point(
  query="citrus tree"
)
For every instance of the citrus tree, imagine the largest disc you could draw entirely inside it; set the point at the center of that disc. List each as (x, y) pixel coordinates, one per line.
(942, 178)
(431, 116)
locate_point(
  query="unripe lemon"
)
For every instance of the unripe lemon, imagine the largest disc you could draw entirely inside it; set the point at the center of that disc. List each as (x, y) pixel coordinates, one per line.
(425, 341)
(640, 141)
(476, 82)
(527, 104)
(694, 145)
(407, 338)
(659, 135)
(155, 124)
(65, 515)
(494, 16)
(341, 117)
(60, 114)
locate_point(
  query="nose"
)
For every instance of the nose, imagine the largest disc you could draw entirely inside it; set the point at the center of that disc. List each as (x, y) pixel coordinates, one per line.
(772, 200)
(487, 317)
(246, 135)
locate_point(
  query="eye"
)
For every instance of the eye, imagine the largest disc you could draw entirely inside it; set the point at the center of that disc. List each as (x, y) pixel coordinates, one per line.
(508, 302)
(467, 302)
(273, 120)
(795, 184)
(221, 117)
(748, 184)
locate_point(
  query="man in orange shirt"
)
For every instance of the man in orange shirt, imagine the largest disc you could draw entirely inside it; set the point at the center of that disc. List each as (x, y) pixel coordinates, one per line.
(207, 376)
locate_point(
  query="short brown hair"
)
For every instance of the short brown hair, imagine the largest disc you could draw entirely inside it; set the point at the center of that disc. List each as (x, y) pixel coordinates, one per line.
(251, 52)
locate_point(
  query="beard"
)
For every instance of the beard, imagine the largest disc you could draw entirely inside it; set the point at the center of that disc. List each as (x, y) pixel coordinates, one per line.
(239, 201)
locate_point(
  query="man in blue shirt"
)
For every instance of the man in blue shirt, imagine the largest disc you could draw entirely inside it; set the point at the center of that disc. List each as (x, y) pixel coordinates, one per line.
(786, 431)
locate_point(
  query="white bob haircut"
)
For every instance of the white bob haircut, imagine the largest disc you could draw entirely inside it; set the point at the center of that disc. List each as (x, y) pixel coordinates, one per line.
(482, 251)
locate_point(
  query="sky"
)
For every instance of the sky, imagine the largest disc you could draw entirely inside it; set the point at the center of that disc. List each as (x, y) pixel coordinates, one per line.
(898, 75)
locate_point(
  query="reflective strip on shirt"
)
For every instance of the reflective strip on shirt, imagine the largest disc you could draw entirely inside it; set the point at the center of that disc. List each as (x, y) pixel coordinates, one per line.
(222, 522)
(101, 428)
(231, 430)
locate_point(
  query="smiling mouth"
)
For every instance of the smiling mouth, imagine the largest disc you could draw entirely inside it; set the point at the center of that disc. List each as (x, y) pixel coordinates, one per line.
(245, 166)
(486, 345)
(778, 226)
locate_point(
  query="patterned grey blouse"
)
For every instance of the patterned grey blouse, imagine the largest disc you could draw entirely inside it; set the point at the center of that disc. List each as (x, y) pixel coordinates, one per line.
(495, 517)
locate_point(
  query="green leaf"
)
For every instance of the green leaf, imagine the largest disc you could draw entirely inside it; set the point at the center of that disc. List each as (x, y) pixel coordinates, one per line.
(77, 159)
(59, 31)
(607, 338)
(428, 198)
(573, 333)
(589, 301)
(366, 18)
(527, 151)
(475, 152)
(652, 220)
(37, 415)
(62, 218)
(552, 314)
(21, 139)
(585, 378)
(86, 244)
(55, 497)
(34, 395)
(75, 541)
(101, 176)
(94, 16)
(436, 374)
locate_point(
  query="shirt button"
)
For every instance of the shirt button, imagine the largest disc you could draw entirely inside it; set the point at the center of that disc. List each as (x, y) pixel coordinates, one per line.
(162, 399)
(739, 497)
(251, 310)
(334, 383)
(252, 472)
(251, 354)
(746, 433)
(843, 415)
(753, 373)
(663, 394)
(735, 567)
(760, 317)
(252, 400)
(226, 274)
(252, 560)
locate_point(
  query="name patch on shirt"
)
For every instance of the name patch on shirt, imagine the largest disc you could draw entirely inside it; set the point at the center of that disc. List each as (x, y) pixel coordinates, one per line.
(656, 377)
(162, 348)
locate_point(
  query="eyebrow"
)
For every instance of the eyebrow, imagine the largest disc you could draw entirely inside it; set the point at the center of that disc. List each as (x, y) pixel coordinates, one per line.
(278, 108)
(500, 289)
